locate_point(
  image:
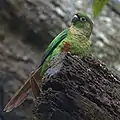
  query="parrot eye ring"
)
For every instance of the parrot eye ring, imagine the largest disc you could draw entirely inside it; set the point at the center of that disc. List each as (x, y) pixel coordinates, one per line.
(83, 19)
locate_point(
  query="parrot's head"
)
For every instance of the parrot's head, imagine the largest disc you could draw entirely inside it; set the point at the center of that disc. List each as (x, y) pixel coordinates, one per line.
(83, 24)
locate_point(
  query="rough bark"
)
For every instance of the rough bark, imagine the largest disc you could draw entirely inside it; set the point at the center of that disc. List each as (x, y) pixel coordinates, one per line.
(78, 89)
(38, 21)
(33, 17)
(21, 21)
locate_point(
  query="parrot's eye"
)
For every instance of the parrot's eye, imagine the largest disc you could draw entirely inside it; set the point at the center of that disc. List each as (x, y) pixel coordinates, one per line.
(75, 18)
(83, 19)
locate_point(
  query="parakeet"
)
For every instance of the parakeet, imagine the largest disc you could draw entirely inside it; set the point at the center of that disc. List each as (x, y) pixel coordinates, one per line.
(74, 39)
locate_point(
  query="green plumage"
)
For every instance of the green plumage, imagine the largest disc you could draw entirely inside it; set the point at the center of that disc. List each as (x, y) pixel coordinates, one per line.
(77, 36)
(75, 39)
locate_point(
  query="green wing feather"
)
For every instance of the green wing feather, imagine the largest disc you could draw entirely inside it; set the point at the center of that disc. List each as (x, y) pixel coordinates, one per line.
(53, 45)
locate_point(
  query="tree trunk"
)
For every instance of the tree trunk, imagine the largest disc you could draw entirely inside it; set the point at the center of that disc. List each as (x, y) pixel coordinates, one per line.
(26, 27)
(78, 89)
(39, 20)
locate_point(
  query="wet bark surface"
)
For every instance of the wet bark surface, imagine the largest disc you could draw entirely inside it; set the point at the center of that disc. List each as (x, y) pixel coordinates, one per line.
(78, 89)
(26, 28)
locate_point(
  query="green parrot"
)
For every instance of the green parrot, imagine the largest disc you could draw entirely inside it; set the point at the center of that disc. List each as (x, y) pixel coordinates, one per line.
(74, 39)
